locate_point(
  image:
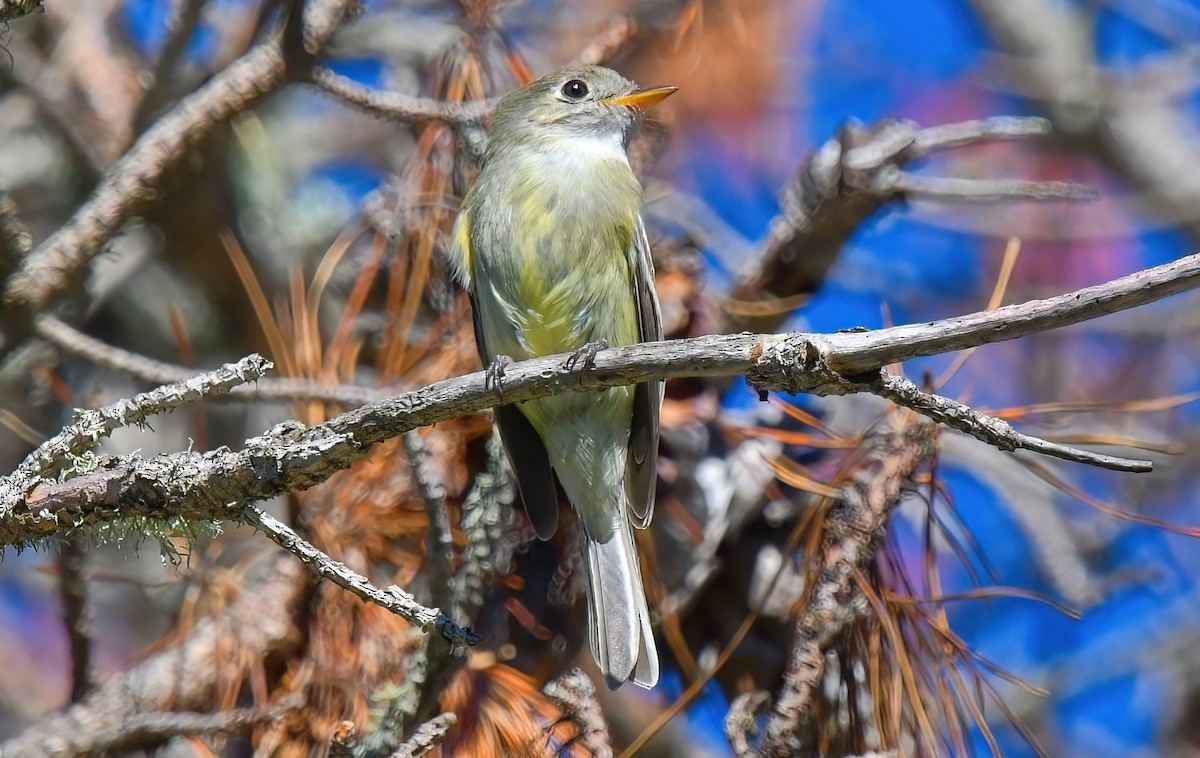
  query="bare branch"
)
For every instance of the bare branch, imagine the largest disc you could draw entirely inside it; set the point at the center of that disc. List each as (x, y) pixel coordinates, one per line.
(74, 342)
(393, 598)
(290, 457)
(72, 592)
(261, 622)
(95, 424)
(994, 431)
(130, 184)
(575, 694)
(614, 38)
(854, 527)
(397, 106)
(428, 736)
(15, 240)
(845, 181)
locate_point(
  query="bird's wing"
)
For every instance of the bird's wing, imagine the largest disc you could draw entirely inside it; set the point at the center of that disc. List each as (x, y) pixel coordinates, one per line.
(526, 452)
(642, 462)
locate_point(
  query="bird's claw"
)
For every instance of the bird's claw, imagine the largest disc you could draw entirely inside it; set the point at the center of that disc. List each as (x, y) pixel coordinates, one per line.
(493, 375)
(585, 357)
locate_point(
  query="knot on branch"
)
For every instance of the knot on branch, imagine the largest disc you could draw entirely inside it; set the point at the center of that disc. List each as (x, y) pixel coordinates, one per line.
(799, 364)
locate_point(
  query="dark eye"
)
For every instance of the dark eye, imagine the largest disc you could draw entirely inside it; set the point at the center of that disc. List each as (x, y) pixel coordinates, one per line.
(576, 89)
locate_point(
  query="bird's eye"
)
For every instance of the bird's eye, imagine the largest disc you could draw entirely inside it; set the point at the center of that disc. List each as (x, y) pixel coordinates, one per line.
(576, 89)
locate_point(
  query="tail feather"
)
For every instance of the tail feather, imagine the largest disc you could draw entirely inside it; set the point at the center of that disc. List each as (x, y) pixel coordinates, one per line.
(619, 621)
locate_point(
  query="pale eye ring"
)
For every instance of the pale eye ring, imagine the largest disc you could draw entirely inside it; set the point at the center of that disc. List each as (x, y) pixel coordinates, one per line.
(575, 89)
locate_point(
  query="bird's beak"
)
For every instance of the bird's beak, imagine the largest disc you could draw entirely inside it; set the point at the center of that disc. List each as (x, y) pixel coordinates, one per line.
(641, 99)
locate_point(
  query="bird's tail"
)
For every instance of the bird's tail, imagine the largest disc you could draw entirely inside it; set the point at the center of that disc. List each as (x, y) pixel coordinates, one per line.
(619, 621)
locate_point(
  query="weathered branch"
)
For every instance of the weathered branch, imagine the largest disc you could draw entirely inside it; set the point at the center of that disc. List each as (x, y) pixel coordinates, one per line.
(854, 527)
(574, 693)
(76, 343)
(218, 483)
(261, 622)
(1132, 128)
(131, 183)
(427, 736)
(845, 181)
(393, 598)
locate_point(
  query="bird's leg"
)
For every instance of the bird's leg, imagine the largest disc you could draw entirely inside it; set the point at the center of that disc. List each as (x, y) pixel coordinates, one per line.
(585, 356)
(493, 375)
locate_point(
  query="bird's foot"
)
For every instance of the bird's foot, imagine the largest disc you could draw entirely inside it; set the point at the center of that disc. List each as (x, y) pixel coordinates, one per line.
(585, 357)
(493, 375)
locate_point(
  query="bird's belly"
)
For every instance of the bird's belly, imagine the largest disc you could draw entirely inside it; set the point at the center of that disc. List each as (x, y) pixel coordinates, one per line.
(559, 309)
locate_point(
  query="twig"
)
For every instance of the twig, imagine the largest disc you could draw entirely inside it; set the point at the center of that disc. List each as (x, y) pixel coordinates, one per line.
(15, 240)
(613, 39)
(148, 729)
(72, 591)
(290, 457)
(484, 514)
(427, 736)
(261, 623)
(853, 529)
(845, 181)
(1130, 128)
(397, 106)
(95, 424)
(74, 342)
(741, 722)
(892, 180)
(182, 27)
(439, 560)
(393, 598)
(574, 693)
(996, 432)
(130, 184)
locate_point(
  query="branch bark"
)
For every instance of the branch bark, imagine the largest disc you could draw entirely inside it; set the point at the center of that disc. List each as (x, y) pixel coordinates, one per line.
(218, 484)
(131, 183)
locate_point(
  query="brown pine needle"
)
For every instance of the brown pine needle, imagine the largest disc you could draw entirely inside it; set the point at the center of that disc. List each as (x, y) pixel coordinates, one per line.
(1044, 473)
(1011, 252)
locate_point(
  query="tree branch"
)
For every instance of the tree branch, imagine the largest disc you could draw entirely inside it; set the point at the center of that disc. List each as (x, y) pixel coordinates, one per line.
(290, 457)
(393, 598)
(261, 622)
(847, 179)
(132, 182)
(853, 529)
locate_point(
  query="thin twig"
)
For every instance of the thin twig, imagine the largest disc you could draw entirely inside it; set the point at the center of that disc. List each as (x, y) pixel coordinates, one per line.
(74, 342)
(72, 591)
(397, 106)
(996, 432)
(130, 184)
(393, 598)
(93, 425)
(845, 181)
(428, 736)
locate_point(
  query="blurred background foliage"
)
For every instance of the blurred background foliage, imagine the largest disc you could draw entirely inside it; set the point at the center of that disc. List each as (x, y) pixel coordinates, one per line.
(311, 232)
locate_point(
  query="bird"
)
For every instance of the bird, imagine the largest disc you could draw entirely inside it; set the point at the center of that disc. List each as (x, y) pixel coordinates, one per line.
(551, 246)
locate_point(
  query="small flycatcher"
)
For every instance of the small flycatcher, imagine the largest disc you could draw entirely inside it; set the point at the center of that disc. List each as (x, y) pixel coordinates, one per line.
(551, 246)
